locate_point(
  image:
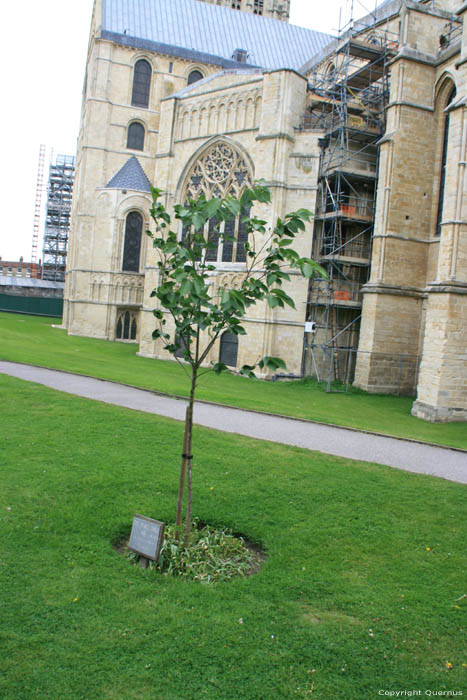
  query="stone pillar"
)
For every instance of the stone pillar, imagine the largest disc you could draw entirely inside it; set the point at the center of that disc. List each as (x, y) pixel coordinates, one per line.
(442, 388)
(393, 298)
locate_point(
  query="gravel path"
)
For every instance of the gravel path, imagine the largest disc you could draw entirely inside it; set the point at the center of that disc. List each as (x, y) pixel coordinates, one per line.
(344, 442)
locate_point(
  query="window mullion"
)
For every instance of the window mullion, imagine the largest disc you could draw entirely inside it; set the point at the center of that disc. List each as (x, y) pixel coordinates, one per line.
(220, 247)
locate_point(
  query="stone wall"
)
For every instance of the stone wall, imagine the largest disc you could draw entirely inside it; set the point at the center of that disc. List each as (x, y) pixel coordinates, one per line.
(403, 311)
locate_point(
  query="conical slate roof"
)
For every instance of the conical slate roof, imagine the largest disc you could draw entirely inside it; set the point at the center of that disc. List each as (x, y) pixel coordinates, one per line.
(131, 176)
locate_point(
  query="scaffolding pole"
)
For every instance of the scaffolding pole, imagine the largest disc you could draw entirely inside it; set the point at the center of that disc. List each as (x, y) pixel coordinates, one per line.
(38, 203)
(347, 103)
(57, 223)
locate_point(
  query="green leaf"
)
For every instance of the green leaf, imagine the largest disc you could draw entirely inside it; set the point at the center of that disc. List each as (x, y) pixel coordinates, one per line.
(186, 287)
(272, 363)
(247, 371)
(311, 268)
(212, 207)
(233, 205)
(198, 221)
(273, 301)
(219, 367)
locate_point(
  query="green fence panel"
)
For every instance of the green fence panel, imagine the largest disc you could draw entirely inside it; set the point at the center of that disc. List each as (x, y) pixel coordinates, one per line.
(36, 306)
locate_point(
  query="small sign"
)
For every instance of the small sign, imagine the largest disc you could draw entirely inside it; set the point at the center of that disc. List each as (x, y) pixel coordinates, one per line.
(310, 326)
(146, 537)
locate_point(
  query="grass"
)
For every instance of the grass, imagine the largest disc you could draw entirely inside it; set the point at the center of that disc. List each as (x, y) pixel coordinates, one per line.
(361, 589)
(33, 340)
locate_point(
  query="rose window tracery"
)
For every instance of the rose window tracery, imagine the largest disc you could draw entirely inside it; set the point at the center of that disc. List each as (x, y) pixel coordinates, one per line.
(220, 172)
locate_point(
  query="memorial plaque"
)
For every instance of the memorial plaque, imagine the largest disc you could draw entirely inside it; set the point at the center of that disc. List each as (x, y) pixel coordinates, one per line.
(146, 537)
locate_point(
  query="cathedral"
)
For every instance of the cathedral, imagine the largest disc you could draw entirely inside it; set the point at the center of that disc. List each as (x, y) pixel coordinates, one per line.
(368, 130)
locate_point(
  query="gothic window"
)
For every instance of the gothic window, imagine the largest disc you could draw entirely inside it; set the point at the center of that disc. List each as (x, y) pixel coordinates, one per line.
(236, 5)
(219, 172)
(194, 76)
(141, 83)
(126, 325)
(242, 238)
(132, 244)
(331, 71)
(258, 7)
(229, 349)
(135, 137)
(213, 238)
(444, 158)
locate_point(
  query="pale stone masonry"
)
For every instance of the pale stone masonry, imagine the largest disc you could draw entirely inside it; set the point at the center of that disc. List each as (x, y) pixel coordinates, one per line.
(277, 9)
(189, 118)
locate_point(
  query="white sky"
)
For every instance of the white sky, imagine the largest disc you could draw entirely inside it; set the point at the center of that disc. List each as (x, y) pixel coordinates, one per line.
(43, 52)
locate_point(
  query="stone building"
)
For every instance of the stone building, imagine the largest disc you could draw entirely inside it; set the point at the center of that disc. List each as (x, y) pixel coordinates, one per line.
(277, 9)
(368, 130)
(19, 268)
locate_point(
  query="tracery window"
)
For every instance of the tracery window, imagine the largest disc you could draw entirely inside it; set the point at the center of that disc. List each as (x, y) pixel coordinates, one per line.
(132, 244)
(135, 137)
(220, 172)
(126, 325)
(444, 159)
(194, 76)
(141, 83)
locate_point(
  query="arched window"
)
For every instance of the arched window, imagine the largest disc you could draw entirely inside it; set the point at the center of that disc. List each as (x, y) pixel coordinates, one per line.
(141, 83)
(194, 76)
(221, 171)
(132, 245)
(135, 137)
(444, 158)
(331, 72)
(126, 325)
(229, 349)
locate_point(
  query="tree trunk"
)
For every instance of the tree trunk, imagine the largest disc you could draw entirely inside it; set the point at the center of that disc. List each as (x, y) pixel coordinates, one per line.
(189, 459)
(181, 483)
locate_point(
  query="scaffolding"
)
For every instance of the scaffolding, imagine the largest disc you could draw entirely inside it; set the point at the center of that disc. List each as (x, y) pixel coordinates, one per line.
(38, 203)
(347, 103)
(57, 222)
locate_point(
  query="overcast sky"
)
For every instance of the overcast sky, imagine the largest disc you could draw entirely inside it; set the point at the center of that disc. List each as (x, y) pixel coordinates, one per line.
(43, 51)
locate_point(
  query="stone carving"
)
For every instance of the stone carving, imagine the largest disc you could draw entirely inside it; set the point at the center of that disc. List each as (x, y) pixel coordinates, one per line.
(230, 281)
(221, 115)
(121, 289)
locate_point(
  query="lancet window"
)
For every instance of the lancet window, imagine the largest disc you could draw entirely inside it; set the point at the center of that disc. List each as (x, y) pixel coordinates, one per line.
(141, 83)
(221, 171)
(132, 243)
(444, 159)
(126, 325)
(135, 136)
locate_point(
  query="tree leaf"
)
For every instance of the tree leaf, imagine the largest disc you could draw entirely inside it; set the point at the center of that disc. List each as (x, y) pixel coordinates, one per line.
(219, 367)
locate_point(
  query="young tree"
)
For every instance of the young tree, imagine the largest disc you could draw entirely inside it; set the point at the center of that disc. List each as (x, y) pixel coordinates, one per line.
(198, 318)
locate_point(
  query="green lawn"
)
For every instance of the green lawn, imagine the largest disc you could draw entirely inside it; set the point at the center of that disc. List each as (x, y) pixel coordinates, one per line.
(361, 590)
(33, 340)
